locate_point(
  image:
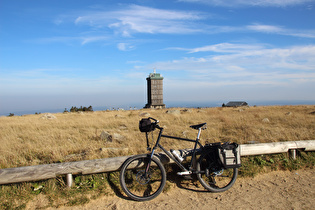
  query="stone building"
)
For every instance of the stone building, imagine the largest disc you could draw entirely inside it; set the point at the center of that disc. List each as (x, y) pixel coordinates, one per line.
(235, 104)
(155, 91)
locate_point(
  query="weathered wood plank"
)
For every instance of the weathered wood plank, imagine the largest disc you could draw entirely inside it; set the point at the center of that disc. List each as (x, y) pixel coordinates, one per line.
(308, 145)
(48, 171)
(40, 172)
(276, 147)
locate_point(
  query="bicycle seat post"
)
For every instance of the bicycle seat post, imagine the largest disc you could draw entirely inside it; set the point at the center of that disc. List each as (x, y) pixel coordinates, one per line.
(193, 159)
(198, 135)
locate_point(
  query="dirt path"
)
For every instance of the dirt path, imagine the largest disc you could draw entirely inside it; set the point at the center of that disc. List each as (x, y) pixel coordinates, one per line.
(275, 190)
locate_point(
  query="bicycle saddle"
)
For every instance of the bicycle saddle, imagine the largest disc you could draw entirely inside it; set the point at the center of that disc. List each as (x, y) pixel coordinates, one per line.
(202, 126)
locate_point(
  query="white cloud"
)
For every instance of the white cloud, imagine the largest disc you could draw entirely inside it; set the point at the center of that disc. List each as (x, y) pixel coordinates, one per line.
(242, 64)
(134, 19)
(140, 19)
(265, 28)
(124, 46)
(226, 47)
(90, 39)
(253, 3)
(73, 39)
(281, 30)
(121, 46)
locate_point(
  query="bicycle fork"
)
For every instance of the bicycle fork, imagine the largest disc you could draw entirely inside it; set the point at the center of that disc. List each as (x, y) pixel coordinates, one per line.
(149, 163)
(152, 152)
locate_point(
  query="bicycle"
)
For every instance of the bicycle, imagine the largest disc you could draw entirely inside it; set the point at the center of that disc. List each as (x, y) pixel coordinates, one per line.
(143, 177)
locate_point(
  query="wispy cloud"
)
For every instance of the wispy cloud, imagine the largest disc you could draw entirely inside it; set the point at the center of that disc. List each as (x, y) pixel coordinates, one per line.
(226, 48)
(229, 63)
(73, 39)
(140, 19)
(129, 20)
(89, 39)
(272, 29)
(128, 28)
(252, 3)
(259, 28)
(125, 46)
(266, 28)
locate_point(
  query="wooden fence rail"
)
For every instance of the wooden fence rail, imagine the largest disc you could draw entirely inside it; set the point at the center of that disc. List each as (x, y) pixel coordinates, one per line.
(48, 171)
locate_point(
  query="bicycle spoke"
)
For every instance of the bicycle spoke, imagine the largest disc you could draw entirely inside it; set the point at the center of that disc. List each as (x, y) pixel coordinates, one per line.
(215, 178)
(141, 185)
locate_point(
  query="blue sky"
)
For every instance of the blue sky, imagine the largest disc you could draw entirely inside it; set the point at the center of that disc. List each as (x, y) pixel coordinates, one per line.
(58, 54)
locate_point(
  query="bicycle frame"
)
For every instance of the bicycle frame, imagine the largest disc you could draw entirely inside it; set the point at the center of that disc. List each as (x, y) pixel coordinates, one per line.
(143, 177)
(157, 144)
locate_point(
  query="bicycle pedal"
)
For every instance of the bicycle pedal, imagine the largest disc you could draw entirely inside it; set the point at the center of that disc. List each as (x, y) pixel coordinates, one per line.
(184, 173)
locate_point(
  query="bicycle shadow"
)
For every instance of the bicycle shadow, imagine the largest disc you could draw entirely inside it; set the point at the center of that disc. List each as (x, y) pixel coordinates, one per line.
(190, 183)
(113, 181)
(182, 183)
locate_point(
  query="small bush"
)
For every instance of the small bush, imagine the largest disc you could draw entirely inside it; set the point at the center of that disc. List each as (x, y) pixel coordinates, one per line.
(81, 109)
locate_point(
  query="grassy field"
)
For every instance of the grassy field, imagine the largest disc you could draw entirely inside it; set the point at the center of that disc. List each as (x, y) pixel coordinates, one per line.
(40, 139)
(34, 139)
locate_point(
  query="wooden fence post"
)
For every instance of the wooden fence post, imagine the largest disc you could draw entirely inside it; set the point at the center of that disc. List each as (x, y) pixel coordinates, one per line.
(69, 180)
(292, 153)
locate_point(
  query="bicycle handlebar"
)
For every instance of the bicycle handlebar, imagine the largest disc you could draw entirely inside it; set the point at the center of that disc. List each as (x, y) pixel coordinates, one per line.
(154, 119)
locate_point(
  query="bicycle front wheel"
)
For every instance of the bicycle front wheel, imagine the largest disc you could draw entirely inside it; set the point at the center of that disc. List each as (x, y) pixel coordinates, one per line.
(142, 179)
(212, 175)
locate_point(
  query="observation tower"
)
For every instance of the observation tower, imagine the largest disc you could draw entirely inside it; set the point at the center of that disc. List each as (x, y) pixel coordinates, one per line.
(155, 91)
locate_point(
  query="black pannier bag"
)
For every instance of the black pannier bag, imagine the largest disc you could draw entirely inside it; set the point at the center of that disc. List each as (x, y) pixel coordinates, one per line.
(145, 125)
(229, 155)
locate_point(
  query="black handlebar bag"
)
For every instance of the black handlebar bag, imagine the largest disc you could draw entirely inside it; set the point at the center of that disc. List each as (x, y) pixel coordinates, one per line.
(145, 125)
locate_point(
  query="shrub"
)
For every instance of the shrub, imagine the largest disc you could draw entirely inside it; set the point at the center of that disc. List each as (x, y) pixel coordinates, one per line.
(81, 109)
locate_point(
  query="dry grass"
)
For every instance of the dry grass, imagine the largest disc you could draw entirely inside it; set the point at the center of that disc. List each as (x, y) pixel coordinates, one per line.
(30, 140)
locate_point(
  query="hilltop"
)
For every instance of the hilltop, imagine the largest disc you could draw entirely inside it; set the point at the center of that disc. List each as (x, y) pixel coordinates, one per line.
(48, 138)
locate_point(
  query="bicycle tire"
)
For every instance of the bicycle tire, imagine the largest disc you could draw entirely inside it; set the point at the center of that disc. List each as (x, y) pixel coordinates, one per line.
(142, 186)
(212, 175)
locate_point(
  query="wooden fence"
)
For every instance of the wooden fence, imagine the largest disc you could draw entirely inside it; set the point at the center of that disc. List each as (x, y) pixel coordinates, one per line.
(48, 171)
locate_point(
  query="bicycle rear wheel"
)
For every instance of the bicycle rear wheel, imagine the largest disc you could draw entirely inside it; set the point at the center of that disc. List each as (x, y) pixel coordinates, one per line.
(212, 175)
(139, 183)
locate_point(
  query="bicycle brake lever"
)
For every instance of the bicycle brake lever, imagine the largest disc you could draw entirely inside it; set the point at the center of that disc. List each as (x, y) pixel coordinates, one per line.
(156, 121)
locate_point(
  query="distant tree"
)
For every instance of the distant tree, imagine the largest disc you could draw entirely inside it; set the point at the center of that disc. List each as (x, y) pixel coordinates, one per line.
(81, 109)
(90, 108)
(73, 109)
